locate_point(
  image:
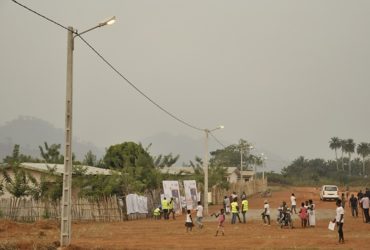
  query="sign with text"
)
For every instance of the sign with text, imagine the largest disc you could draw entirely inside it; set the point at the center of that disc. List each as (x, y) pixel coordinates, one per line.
(171, 190)
(191, 194)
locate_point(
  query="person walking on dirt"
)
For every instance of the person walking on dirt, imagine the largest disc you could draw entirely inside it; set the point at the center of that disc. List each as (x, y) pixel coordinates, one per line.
(353, 202)
(199, 215)
(171, 209)
(244, 208)
(189, 222)
(293, 203)
(266, 213)
(221, 219)
(339, 218)
(365, 207)
(165, 208)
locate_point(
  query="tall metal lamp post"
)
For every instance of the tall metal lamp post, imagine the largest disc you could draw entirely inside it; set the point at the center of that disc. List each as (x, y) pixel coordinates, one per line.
(205, 167)
(66, 217)
(264, 158)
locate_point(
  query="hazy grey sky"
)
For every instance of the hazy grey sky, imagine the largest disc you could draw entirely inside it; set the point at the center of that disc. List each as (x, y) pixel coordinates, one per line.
(285, 75)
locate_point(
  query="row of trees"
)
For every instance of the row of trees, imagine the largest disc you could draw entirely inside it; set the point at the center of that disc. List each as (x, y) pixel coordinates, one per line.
(348, 146)
(134, 170)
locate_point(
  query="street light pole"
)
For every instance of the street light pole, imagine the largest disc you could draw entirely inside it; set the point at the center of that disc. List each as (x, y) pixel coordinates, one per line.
(206, 172)
(66, 216)
(67, 176)
(205, 168)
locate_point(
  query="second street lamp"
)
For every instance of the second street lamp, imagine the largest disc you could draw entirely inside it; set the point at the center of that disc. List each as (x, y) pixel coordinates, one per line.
(205, 167)
(66, 216)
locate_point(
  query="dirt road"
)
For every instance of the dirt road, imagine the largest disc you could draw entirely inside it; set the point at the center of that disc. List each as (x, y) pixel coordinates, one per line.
(151, 234)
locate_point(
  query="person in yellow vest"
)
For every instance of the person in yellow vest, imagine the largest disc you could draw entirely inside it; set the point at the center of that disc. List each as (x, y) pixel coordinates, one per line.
(171, 210)
(165, 208)
(157, 213)
(234, 211)
(244, 207)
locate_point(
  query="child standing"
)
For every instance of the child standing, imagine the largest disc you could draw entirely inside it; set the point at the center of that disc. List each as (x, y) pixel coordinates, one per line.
(221, 220)
(303, 215)
(189, 222)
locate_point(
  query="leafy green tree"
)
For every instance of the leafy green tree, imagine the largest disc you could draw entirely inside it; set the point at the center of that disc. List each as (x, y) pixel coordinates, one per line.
(51, 154)
(197, 165)
(135, 164)
(349, 148)
(162, 161)
(343, 149)
(335, 144)
(16, 158)
(18, 186)
(90, 159)
(363, 149)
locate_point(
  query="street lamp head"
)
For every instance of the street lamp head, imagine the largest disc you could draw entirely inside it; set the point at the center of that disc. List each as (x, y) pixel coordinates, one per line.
(221, 127)
(109, 21)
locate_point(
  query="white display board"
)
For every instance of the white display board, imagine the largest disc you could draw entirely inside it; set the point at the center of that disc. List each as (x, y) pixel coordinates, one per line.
(191, 194)
(171, 189)
(136, 204)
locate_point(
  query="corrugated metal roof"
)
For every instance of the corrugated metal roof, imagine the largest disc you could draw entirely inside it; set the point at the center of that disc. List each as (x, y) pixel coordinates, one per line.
(59, 168)
(177, 170)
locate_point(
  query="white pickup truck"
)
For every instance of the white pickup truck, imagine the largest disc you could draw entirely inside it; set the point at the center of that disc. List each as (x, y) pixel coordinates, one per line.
(329, 192)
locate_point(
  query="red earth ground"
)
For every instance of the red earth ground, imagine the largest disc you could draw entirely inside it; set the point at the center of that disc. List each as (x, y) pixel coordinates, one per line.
(152, 234)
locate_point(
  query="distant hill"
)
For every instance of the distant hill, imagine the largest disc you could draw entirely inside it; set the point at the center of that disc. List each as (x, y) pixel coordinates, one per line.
(31, 132)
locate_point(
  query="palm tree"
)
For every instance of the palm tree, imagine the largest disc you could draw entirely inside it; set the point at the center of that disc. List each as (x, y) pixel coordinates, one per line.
(363, 149)
(343, 149)
(334, 144)
(349, 148)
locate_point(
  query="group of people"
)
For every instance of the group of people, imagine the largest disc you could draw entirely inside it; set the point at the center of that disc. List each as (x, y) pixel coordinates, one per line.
(306, 213)
(363, 201)
(166, 209)
(232, 205)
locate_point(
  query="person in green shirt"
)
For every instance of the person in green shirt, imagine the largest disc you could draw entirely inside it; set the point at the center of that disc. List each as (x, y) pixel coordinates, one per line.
(244, 208)
(171, 209)
(165, 208)
(157, 213)
(234, 211)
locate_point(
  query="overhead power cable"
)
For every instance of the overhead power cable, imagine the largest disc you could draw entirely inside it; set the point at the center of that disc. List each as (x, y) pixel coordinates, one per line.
(218, 141)
(114, 69)
(137, 89)
(39, 14)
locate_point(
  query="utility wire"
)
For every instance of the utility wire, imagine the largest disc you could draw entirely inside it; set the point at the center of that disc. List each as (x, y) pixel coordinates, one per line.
(114, 69)
(137, 89)
(50, 20)
(218, 141)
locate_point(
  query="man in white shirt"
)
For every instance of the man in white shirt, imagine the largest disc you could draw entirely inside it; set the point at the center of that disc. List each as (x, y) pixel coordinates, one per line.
(365, 207)
(199, 215)
(293, 203)
(266, 213)
(339, 218)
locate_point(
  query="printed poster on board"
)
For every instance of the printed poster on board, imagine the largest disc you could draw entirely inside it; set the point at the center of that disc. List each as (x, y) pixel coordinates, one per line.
(191, 194)
(172, 189)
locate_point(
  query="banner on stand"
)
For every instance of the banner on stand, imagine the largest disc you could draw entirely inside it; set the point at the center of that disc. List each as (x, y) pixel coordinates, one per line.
(191, 194)
(171, 189)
